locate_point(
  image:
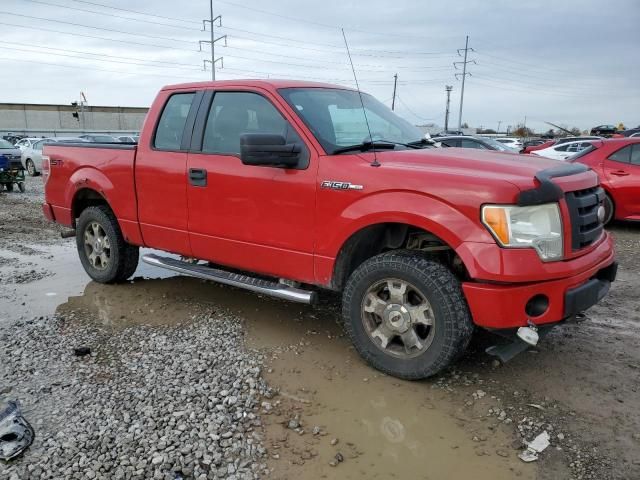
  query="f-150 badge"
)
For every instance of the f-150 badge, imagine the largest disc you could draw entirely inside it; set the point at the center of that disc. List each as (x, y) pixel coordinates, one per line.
(340, 185)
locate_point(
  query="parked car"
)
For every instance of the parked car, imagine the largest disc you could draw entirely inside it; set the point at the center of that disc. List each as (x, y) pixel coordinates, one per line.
(32, 157)
(425, 244)
(533, 148)
(636, 134)
(617, 163)
(562, 151)
(27, 142)
(129, 138)
(514, 143)
(11, 170)
(467, 141)
(562, 140)
(99, 138)
(604, 130)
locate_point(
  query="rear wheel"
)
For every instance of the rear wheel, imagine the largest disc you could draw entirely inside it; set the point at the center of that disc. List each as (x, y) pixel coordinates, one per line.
(9, 187)
(609, 209)
(31, 168)
(21, 187)
(105, 255)
(406, 314)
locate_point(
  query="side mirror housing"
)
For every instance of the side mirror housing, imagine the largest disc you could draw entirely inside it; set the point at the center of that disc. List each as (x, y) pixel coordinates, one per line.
(268, 149)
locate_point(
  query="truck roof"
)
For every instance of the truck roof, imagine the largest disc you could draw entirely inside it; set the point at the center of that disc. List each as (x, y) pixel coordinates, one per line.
(264, 83)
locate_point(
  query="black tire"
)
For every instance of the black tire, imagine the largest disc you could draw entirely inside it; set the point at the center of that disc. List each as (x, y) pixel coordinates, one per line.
(21, 187)
(31, 168)
(9, 187)
(609, 209)
(123, 257)
(442, 290)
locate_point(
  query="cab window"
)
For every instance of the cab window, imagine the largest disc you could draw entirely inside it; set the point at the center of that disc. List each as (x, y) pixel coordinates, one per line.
(170, 127)
(233, 114)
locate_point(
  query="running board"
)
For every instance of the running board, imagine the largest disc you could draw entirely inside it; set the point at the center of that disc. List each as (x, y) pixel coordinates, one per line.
(258, 285)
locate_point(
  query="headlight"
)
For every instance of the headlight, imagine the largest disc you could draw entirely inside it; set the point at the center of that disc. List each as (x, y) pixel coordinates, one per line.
(538, 227)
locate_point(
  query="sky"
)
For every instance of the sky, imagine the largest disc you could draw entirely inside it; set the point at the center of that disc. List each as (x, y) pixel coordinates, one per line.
(573, 63)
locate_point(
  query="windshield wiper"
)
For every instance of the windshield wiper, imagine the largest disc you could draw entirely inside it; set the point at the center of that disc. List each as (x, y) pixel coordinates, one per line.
(422, 143)
(364, 146)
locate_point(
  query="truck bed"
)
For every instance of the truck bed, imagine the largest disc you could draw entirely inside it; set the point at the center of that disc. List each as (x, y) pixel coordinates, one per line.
(106, 168)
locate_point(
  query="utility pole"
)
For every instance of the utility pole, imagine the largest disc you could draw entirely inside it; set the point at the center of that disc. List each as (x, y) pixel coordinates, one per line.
(448, 89)
(499, 123)
(464, 75)
(213, 40)
(395, 84)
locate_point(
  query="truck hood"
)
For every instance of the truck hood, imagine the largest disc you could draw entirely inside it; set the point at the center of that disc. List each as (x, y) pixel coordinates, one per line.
(517, 169)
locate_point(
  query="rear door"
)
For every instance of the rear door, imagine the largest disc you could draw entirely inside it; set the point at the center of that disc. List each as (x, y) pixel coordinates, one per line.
(257, 218)
(622, 169)
(161, 172)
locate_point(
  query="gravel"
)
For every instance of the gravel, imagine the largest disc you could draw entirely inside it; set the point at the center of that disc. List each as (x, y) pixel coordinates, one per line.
(146, 403)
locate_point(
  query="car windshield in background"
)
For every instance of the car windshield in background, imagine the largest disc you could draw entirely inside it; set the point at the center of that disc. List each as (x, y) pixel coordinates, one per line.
(337, 120)
(582, 153)
(498, 145)
(6, 145)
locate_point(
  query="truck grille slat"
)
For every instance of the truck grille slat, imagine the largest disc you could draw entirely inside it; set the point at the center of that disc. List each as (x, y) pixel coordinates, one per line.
(583, 209)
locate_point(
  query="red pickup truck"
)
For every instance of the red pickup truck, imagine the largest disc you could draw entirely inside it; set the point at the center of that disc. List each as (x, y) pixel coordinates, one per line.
(284, 187)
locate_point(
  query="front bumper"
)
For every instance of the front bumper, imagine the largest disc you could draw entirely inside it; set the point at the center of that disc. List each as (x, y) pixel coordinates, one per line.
(500, 306)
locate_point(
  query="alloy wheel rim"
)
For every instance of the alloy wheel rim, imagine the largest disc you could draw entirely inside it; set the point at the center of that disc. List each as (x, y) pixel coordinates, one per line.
(398, 319)
(97, 246)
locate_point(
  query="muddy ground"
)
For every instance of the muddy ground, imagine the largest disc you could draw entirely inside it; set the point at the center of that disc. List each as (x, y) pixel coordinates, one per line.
(332, 416)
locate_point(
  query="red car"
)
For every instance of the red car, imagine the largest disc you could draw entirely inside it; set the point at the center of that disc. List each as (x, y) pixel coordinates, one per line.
(617, 163)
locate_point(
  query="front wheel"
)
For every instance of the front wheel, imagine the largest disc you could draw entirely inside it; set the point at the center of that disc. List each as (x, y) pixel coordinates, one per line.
(103, 251)
(406, 314)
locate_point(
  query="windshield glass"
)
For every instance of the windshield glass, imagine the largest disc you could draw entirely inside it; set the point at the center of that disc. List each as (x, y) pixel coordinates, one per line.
(498, 145)
(336, 118)
(4, 144)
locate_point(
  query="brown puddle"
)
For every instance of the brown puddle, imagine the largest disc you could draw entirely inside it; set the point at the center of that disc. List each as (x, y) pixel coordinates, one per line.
(386, 428)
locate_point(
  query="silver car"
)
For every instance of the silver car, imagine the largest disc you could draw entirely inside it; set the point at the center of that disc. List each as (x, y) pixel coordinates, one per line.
(32, 157)
(25, 143)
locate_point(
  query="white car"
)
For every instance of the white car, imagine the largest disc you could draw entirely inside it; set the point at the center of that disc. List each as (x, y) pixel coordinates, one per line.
(27, 142)
(564, 151)
(32, 156)
(514, 143)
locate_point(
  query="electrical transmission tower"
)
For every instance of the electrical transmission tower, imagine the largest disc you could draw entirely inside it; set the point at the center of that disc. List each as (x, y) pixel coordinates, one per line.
(448, 88)
(464, 74)
(212, 20)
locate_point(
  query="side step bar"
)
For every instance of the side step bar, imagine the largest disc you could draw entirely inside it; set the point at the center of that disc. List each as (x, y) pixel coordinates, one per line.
(258, 285)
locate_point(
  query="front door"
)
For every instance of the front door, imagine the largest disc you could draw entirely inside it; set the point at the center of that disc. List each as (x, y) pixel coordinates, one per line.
(257, 218)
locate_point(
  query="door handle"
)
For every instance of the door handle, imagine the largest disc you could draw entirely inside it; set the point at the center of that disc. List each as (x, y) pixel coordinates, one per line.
(619, 173)
(198, 177)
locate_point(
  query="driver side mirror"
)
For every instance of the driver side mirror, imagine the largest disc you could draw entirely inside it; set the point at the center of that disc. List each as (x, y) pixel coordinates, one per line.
(266, 149)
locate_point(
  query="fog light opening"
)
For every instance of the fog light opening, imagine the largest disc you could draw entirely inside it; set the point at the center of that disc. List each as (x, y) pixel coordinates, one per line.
(537, 305)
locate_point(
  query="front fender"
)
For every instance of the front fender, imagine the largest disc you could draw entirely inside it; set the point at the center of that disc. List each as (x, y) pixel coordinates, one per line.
(425, 212)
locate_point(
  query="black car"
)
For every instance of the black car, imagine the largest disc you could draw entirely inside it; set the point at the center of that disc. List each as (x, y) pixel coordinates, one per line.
(604, 130)
(631, 132)
(467, 141)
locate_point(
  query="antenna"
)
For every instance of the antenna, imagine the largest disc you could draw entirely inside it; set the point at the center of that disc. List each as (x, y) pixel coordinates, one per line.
(375, 162)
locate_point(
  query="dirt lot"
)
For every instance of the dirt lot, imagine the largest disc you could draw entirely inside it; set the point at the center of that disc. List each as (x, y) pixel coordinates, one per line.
(188, 379)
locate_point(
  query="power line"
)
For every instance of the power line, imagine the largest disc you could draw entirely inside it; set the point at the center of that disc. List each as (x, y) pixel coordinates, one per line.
(41, 2)
(94, 59)
(464, 75)
(128, 42)
(157, 37)
(177, 19)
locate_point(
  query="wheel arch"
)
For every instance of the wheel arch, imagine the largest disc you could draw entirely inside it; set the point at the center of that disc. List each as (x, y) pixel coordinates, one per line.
(84, 198)
(376, 238)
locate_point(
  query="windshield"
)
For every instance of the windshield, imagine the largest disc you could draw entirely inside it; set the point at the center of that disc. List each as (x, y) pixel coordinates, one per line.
(336, 118)
(498, 145)
(4, 144)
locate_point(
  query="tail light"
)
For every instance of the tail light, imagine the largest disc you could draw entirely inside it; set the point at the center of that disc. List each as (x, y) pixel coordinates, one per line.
(46, 167)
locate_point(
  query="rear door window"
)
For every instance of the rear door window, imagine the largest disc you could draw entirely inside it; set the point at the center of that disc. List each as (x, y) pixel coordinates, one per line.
(623, 155)
(466, 143)
(170, 127)
(635, 154)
